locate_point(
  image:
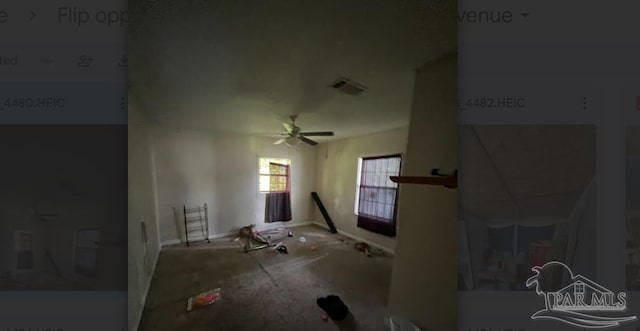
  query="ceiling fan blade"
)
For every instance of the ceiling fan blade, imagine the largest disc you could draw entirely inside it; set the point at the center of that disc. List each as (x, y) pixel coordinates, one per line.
(317, 133)
(275, 135)
(279, 141)
(308, 141)
(288, 127)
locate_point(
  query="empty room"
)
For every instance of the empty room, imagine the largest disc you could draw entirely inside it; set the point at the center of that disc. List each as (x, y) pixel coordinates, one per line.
(292, 165)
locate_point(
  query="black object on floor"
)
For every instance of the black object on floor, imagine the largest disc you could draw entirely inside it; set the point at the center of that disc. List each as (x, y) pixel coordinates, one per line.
(283, 249)
(334, 307)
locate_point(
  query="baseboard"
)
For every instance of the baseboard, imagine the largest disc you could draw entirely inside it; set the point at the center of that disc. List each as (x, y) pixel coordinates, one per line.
(146, 291)
(283, 225)
(235, 233)
(354, 237)
(170, 242)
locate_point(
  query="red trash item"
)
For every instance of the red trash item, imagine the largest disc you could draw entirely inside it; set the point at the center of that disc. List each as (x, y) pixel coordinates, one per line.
(203, 299)
(362, 246)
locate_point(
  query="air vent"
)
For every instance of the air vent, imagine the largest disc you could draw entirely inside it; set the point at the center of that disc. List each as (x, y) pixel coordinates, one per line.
(348, 86)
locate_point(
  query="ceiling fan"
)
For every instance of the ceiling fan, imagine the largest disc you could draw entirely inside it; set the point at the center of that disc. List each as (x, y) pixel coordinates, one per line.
(294, 134)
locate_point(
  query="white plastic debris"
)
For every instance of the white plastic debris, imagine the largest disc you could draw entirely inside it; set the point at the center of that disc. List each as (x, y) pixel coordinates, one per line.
(303, 240)
(396, 323)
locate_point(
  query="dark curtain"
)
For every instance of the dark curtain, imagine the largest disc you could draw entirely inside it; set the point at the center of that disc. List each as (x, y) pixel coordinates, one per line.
(278, 204)
(278, 207)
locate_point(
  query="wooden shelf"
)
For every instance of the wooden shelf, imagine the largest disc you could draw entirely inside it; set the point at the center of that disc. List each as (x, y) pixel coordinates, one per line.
(446, 181)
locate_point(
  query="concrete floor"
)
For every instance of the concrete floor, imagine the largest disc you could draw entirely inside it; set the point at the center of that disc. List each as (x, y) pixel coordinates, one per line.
(265, 290)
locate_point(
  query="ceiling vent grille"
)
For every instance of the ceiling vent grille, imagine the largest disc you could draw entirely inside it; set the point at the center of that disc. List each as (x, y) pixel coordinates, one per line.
(348, 86)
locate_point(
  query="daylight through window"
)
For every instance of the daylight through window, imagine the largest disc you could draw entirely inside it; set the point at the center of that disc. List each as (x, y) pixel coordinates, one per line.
(274, 175)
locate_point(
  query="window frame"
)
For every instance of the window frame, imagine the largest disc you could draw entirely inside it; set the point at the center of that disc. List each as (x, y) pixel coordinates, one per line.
(20, 249)
(277, 161)
(79, 269)
(393, 221)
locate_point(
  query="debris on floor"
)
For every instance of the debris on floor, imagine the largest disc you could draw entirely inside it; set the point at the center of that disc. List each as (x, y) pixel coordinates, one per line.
(395, 323)
(262, 239)
(363, 247)
(334, 307)
(250, 247)
(314, 248)
(203, 299)
(303, 240)
(276, 234)
(283, 249)
(278, 245)
(345, 241)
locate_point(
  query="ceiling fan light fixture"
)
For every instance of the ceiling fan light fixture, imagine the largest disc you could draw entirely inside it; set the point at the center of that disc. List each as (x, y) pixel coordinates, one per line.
(291, 141)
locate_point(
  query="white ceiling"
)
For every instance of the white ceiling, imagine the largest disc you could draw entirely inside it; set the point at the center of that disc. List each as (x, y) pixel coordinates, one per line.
(244, 66)
(542, 169)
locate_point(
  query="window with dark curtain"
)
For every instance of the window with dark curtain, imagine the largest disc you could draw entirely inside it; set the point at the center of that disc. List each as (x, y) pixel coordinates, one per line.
(378, 195)
(278, 202)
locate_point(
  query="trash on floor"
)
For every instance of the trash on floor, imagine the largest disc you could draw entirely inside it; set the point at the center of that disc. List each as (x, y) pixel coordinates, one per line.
(363, 247)
(395, 323)
(276, 234)
(314, 248)
(203, 299)
(278, 245)
(290, 234)
(303, 240)
(334, 307)
(249, 247)
(258, 240)
(283, 249)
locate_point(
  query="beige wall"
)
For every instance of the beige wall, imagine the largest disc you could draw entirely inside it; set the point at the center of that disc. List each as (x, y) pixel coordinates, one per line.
(337, 174)
(423, 286)
(196, 167)
(142, 207)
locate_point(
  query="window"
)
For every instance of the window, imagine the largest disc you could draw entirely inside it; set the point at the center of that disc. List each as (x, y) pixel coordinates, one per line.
(579, 288)
(24, 245)
(274, 175)
(376, 194)
(85, 258)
